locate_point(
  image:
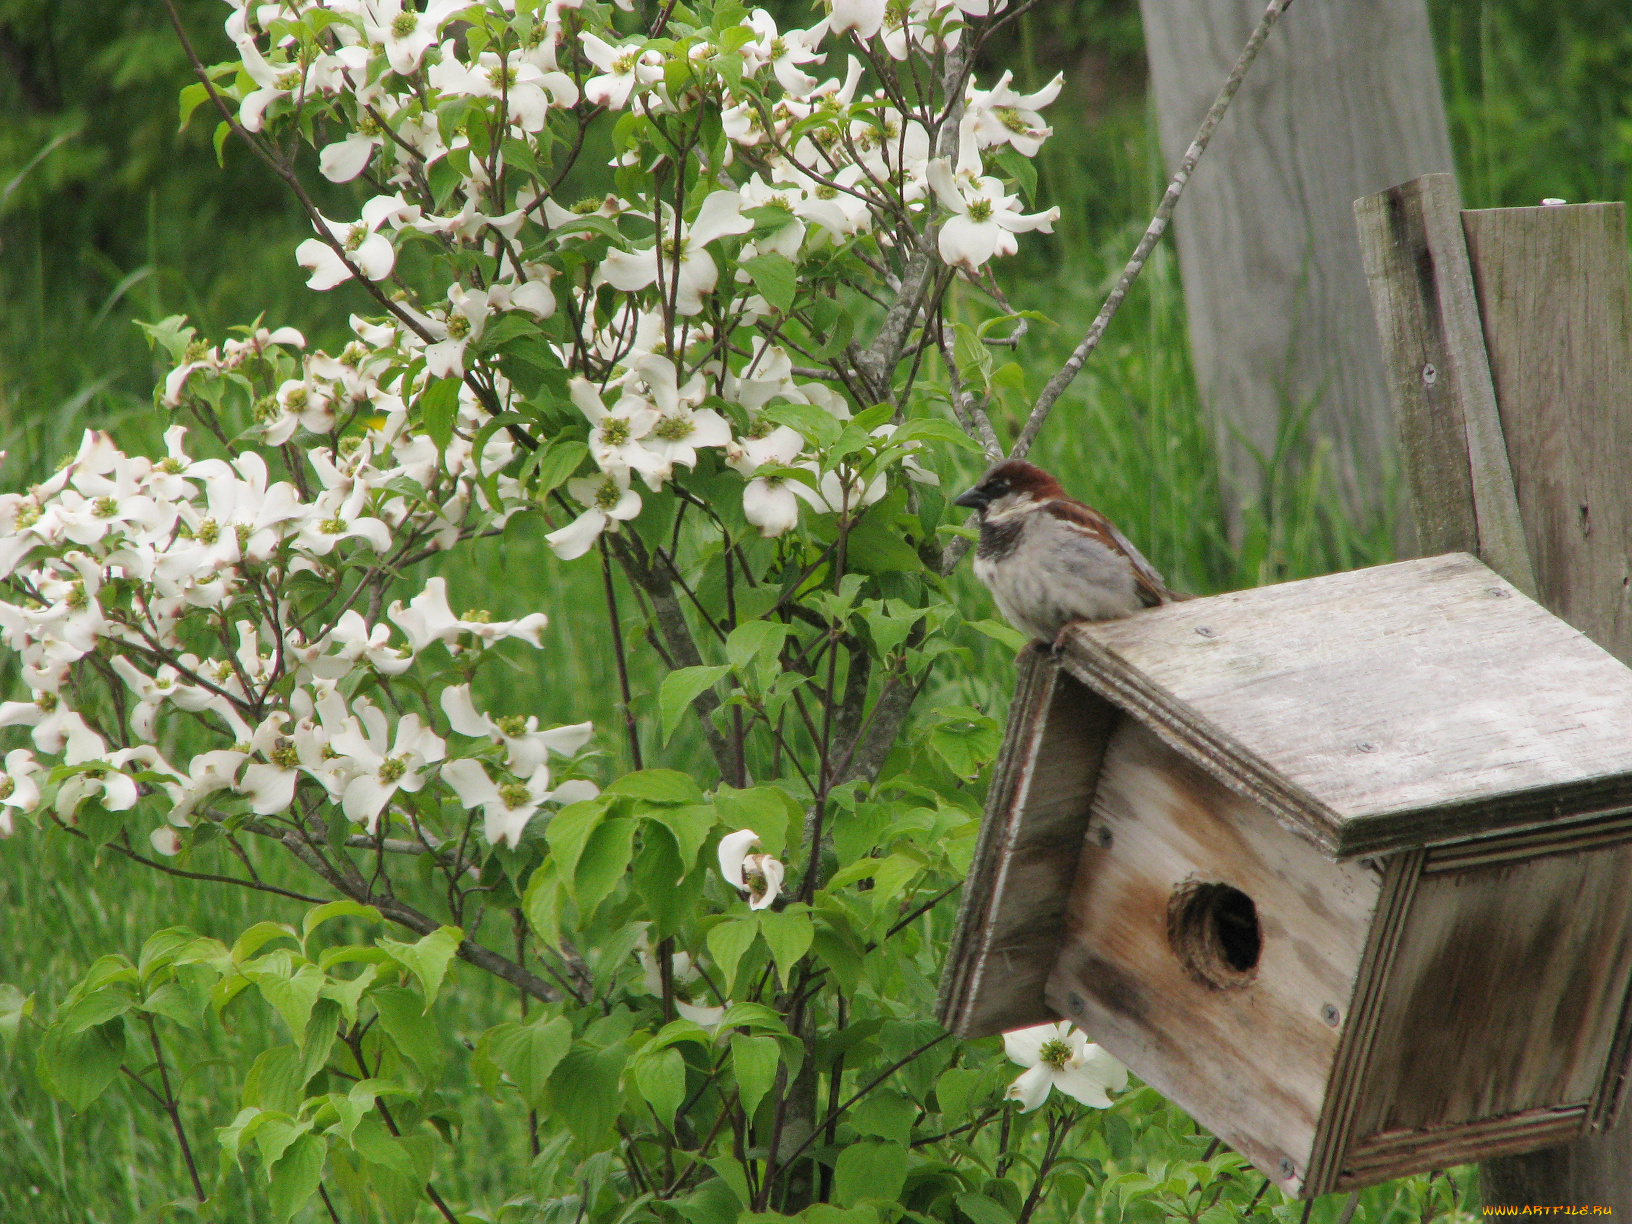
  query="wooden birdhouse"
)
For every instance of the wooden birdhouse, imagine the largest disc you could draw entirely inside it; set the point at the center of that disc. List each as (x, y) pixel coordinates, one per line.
(1343, 867)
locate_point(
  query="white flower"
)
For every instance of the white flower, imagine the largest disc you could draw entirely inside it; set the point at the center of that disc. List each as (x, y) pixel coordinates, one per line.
(985, 218)
(758, 875)
(17, 786)
(380, 768)
(427, 619)
(405, 33)
(526, 747)
(508, 807)
(623, 69)
(862, 16)
(1058, 1056)
(610, 500)
(616, 433)
(683, 976)
(1002, 116)
(680, 427)
(689, 270)
(370, 252)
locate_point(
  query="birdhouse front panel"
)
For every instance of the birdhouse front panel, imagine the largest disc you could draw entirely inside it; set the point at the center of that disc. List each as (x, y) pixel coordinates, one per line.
(1212, 952)
(1343, 867)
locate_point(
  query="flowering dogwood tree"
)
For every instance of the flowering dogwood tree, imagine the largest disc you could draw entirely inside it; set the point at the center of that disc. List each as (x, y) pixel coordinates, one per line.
(660, 286)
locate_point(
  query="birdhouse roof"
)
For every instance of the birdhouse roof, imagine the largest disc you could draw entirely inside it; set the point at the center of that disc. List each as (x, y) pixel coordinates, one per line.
(1404, 705)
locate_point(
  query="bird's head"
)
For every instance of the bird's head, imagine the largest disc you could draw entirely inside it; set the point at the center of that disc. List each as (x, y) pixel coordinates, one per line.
(1007, 485)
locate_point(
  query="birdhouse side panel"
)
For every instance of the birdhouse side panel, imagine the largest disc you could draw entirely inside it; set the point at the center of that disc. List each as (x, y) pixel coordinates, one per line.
(1013, 911)
(1505, 996)
(1212, 951)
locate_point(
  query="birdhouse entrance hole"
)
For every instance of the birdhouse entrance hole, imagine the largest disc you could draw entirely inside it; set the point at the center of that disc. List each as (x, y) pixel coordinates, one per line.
(1213, 930)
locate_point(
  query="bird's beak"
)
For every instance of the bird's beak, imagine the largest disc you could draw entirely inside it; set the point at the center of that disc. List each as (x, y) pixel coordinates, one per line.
(972, 500)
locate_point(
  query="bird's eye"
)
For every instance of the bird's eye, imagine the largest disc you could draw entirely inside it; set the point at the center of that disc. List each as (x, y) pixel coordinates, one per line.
(999, 488)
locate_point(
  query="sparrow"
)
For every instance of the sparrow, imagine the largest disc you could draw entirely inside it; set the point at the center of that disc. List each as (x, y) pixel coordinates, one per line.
(1049, 559)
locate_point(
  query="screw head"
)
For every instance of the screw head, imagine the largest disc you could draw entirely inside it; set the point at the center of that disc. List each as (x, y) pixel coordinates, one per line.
(1075, 1000)
(1430, 376)
(1103, 836)
(1329, 1014)
(1365, 746)
(1205, 632)
(1498, 592)
(1287, 1167)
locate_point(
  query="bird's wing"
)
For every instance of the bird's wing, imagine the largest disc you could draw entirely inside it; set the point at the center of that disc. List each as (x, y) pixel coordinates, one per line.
(1149, 584)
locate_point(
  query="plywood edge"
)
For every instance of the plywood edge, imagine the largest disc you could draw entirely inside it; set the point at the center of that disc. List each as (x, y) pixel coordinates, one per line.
(1349, 1068)
(1033, 691)
(1606, 1102)
(1186, 731)
(1593, 831)
(1538, 812)
(1399, 1153)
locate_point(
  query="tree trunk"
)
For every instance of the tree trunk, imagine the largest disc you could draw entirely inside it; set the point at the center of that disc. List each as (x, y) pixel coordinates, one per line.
(1343, 102)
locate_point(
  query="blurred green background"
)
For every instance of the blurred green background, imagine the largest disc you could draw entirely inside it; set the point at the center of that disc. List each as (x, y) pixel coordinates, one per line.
(108, 214)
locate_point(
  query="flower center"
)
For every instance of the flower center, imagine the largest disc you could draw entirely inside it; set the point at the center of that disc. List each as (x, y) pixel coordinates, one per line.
(458, 327)
(27, 515)
(77, 599)
(366, 125)
(208, 532)
(357, 236)
(297, 399)
(1010, 118)
(392, 769)
(515, 795)
(1055, 1054)
(607, 494)
(287, 81)
(675, 428)
(171, 466)
(624, 64)
(779, 47)
(333, 526)
(825, 192)
(7, 785)
(478, 616)
(501, 76)
(586, 207)
(284, 756)
(511, 724)
(615, 431)
(980, 210)
(404, 24)
(46, 702)
(266, 408)
(105, 507)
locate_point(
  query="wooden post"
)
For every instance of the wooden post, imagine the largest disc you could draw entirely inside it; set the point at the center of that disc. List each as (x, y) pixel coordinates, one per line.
(1344, 101)
(1555, 311)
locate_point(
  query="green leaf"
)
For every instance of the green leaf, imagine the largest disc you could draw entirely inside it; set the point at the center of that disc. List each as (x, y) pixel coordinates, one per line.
(775, 278)
(658, 786)
(1022, 171)
(767, 810)
(529, 1053)
(690, 826)
(933, 429)
(584, 1092)
(983, 1210)
(296, 1175)
(318, 915)
(999, 632)
(428, 959)
(728, 940)
(191, 98)
(77, 1067)
(754, 1059)
(788, 935)
(438, 409)
(373, 1142)
(292, 996)
(756, 640)
(954, 1090)
(679, 689)
(402, 1016)
(885, 1114)
(713, 1202)
(15, 1007)
(569, 829)
(222, 131)
(559, 463)
(818, 426)
(274, 1080)
(869, 1170)
(603, 862)
(661, 1079)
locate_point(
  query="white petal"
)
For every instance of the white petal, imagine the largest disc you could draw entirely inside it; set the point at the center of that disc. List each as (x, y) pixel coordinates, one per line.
(268, 788)
(376, 257)
(629, 270)
(345, 159)
(328, 270)
(733, 849)
(166, 841)
(1024, 1046)
(1031, 1088)
(1089, 1082)
(470, 782)
(772, 870)
(578, 536)
(462, 714)
(721, 214)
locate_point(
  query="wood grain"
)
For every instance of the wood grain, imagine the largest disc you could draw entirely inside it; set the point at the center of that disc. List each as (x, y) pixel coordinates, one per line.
(1252, 1063)
(1013, 910)
(1505, 995)
(1422, 290)
(1408, 704)
(1553, 294)
(1344, 100)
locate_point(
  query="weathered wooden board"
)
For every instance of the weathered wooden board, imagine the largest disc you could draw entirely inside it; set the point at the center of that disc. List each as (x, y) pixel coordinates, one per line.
(1554, 298)
(1251, 1062)
(1422, 291)
(1399, 706)
(1343, 100)
(1013, 911)
(1506, 994)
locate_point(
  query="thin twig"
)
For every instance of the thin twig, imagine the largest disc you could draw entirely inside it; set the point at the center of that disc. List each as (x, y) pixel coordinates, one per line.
(171, 1108)
(1153, 233)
